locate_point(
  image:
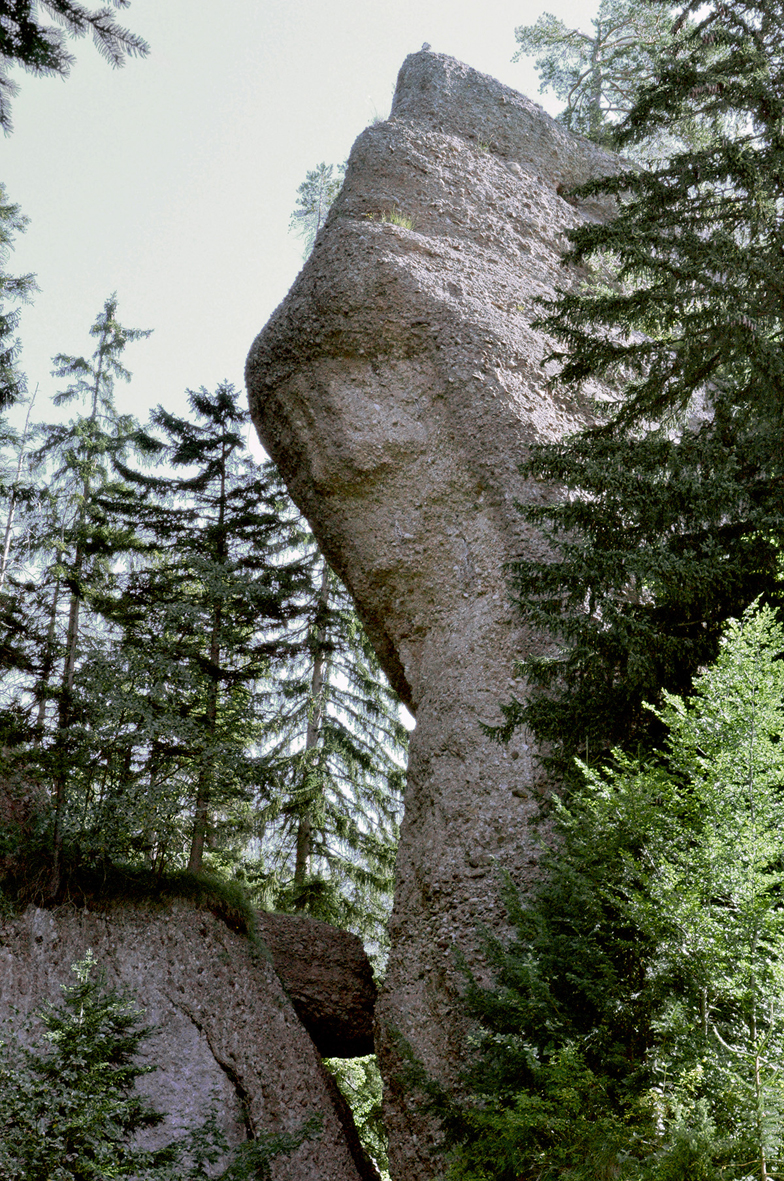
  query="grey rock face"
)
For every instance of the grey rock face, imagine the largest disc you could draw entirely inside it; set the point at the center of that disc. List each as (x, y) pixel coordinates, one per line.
(328, 978)
(226, 1031)
(398, 388)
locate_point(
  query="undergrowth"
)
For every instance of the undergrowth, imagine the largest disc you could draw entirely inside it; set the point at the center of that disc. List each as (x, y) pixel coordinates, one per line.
(106, 883)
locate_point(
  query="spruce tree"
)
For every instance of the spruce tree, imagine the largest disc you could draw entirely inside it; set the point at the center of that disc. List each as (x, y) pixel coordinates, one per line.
(43, 49)
(86, 449)
(254, 679)
(204, 617)
(24, 506)
(673, 516)
(14, 289)
(83, 455)
(58, 557)
(72, 1111)
(336, 750)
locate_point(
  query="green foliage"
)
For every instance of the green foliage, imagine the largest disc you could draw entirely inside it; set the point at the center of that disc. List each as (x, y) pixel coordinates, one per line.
(109, 882)
(335, 754)
(359, 1080)
(217, 701)
(597, 74)
(75, 541)
(636, 1026)
(314, 198)
(14, 289)
(203, 620)
(395, 218)
(70, 1112)
(43, 49)
(672, 518)
(252, 1161)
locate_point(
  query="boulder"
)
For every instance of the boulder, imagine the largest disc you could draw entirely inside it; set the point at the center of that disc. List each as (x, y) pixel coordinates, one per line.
(398, 387)
(225, 1031)
(328, 979)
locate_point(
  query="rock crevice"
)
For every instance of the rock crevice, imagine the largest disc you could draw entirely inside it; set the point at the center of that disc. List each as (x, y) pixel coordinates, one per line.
(226, 1035)
(242, 1096)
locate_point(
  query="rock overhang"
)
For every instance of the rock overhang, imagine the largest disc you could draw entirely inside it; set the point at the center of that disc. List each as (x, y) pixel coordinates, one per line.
(399, 388)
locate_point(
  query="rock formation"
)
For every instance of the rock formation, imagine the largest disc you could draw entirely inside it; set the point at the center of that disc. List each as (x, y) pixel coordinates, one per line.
(226, 1032)
(398, 387)
(329, 980)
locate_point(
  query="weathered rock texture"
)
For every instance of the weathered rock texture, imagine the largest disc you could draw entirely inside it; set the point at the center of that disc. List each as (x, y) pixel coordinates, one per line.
(398, 387)
(226, 1031)
(328, 979)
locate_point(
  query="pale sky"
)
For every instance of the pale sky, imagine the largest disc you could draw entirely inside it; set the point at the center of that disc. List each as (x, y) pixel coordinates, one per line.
(172, 180)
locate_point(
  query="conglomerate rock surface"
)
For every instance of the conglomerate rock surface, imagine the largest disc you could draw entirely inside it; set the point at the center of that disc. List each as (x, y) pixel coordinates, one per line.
(398, 387)
(226, 1034)
(328, 978)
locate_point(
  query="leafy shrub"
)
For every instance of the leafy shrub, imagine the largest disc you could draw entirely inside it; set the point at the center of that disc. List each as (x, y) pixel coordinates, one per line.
(359, 1080)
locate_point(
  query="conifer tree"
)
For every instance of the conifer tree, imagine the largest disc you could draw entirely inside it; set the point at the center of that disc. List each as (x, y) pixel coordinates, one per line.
(204, 617)
(86, 449)
(23, 502)
(43, 49)
(288, 694)
(336, 754)
(14, 289)
(84, 452)
(72, 1112)
(635, 1027)
(314, 198)
(673, 519)
(597, 73)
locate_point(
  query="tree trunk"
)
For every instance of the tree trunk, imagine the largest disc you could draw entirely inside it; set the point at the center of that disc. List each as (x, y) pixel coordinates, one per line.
(65, 718)
(12, 502)
(42, 687)
(305, 826)
(65, 711)
(201, 816)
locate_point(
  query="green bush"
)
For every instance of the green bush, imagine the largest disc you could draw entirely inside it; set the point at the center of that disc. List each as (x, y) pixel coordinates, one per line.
(359, 1080)
(635, 1026)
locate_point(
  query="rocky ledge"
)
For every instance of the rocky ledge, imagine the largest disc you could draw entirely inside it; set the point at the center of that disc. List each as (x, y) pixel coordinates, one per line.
(226, 1032)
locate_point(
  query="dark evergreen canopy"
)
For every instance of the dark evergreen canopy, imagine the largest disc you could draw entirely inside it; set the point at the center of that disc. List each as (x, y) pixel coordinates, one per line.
(205, 614)
(674, 514)
(43, 48)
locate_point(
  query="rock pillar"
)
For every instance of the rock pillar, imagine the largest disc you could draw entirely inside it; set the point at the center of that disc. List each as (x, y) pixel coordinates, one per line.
(398, 388)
